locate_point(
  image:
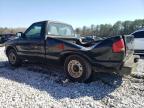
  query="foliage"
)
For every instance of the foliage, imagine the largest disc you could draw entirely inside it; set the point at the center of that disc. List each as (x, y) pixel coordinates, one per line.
(119, 28)
(102, 30)
(11, 30)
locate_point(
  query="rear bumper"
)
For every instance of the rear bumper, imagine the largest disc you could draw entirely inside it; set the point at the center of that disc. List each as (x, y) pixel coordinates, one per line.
(128, 62)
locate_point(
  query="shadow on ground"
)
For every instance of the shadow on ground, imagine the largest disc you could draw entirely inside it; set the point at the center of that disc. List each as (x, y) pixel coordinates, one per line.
(50, 78)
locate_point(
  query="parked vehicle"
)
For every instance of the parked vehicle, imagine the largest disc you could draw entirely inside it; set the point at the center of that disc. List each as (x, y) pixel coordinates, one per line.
(86, 39)
(51, 40)
(6, 37)
(139, 42)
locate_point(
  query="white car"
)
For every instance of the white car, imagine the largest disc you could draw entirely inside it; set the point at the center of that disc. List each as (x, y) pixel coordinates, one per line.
(139, 42)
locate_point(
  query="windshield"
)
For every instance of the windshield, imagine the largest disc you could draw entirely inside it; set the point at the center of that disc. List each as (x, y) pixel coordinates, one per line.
(58, 29)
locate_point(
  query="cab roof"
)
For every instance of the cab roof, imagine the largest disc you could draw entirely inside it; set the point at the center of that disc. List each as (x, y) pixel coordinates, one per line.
(53, 22)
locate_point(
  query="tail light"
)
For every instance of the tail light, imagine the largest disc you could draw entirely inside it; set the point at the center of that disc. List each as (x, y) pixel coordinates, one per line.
(118, 46)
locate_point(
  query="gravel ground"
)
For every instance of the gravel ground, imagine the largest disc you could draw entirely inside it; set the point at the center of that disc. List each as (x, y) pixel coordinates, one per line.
(45, 87)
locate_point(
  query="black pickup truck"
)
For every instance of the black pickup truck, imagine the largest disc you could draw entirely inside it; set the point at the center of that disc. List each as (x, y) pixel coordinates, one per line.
(52, 40)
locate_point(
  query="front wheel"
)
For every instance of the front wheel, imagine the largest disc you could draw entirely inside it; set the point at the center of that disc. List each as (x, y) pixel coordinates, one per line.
(77, 68)
(13, 58)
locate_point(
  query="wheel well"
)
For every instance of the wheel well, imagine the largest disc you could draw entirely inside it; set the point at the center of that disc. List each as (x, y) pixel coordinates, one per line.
(63, 57)
(8, 49)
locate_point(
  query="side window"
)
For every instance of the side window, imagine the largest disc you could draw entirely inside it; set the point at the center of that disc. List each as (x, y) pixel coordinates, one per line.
(35, 31)
(139, 34)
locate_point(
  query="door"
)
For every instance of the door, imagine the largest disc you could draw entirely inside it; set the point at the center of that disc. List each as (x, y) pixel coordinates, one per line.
(31, 45)
(138, 40)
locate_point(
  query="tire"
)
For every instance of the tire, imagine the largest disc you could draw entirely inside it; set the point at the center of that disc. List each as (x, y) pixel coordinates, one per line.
(77, 68)
(13, 58)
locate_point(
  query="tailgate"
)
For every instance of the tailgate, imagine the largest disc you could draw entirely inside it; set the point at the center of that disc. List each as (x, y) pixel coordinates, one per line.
(129, 44)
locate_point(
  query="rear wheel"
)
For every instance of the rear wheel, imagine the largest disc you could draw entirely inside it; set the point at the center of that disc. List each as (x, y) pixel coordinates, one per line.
(13, 58)
(77, 68)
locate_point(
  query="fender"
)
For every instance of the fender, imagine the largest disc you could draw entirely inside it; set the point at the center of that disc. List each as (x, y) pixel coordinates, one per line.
(7, 48)
(65, 54)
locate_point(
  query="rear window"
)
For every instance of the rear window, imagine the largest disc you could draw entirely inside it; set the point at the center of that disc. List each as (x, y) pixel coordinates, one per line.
(58, 29)
(139, 34)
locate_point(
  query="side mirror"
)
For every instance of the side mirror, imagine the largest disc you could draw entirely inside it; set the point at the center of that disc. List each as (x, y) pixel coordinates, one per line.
(20, 34)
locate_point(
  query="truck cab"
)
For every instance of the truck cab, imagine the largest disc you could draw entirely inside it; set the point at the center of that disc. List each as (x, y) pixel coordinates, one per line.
(37, 41)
